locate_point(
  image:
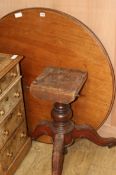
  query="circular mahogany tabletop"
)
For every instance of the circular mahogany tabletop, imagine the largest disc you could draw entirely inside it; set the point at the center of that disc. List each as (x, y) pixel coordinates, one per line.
(51, 38)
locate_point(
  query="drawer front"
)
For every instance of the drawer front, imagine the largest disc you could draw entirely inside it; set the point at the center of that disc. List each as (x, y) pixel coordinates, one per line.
(9, 152)
(10, 100)
(8, 78)
(11, 122)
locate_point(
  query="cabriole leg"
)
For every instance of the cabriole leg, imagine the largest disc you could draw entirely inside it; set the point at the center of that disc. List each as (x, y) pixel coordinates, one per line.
(88, 132)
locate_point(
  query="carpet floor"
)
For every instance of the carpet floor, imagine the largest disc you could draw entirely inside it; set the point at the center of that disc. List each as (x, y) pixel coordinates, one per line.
(83, 158)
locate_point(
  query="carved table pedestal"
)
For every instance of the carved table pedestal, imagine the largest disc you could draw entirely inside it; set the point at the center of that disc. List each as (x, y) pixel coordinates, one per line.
(62, 86)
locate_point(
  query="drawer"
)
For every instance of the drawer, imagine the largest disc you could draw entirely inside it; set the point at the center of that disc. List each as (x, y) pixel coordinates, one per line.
(9, 101)
(13, 146)
(8, 78)
(11, 122)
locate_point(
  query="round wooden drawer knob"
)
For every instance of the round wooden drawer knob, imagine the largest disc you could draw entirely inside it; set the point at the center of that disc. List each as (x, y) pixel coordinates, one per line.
(16, 94)
(9, 154)
(19, 114)
(13, 74)
(2, 112)
(23, 135)
(6, 132)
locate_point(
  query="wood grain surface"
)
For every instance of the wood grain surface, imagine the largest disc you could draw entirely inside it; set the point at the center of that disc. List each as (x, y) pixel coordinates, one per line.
(100, 16)
(58, 85)
(60, 40)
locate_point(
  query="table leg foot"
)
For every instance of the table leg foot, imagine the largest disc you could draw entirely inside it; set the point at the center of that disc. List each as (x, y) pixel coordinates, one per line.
(88, 132)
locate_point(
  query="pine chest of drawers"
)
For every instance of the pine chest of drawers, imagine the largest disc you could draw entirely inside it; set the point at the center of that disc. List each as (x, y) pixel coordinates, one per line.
(14, 141)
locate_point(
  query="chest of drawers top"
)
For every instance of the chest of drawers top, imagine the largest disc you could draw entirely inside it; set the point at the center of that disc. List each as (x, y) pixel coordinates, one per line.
(7, 62)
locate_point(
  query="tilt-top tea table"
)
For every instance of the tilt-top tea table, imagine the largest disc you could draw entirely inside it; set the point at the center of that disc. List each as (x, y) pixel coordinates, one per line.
(50, 38)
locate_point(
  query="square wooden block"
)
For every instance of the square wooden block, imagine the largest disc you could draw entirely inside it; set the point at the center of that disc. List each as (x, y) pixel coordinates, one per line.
(58, 84)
